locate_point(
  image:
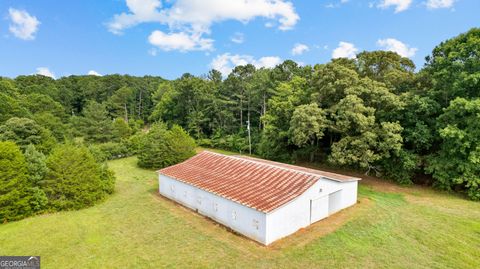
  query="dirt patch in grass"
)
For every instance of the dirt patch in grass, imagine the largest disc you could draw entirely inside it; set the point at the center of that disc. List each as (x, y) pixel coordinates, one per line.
(322, 228)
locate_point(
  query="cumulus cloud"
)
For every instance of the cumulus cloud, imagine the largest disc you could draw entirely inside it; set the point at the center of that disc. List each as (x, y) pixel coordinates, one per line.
(94, 73)
(391, 44)
(179, 41)
(400, 5)
(345, 50)
(299, 49)
(434, 4)
(23, 25)
(140, 11)
(44, 71)
(195, 17)
(238, 38)
(226, 62)
(267, 62)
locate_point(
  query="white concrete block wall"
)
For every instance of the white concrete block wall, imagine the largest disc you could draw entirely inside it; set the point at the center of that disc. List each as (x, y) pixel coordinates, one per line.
(349, 193)
(296, 214)
(272, 226)
(288, 219)
(247, 221)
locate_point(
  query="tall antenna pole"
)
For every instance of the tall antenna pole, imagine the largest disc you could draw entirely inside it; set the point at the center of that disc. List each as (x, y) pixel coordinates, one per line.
(249, 138)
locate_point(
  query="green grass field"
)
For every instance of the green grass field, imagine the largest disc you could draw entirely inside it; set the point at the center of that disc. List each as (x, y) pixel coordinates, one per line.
(391, 227)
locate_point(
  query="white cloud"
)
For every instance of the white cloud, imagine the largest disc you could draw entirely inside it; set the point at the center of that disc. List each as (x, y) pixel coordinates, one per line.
(238, 38)
(195, 17)
(44, 71)
(391, 44)
(226, 62)
(336, 5)
(179, 41)
(269, 24)
(434, 4)
(345, 50)
(94, 73)
(23, 25)
(299, 49)
(400, 5)
(140, 11)
(267, 62)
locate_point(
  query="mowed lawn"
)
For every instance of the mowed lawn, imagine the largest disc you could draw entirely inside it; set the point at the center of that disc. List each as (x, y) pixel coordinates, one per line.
(390, 227)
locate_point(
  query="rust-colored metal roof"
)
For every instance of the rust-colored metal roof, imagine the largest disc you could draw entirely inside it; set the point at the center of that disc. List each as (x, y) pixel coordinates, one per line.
(259, 184)
(323, 174)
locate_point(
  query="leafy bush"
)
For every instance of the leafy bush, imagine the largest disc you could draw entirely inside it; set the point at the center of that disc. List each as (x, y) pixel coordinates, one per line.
(234, 142)
(107, 179)
(109, 151)
(134, 142)
(98, 154)
(205, 142)
(162, 147)
(39, 201)
(136, 125)
(74, 179)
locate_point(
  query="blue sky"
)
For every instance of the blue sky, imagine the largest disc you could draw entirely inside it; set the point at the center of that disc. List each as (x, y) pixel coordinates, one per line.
(168, 38)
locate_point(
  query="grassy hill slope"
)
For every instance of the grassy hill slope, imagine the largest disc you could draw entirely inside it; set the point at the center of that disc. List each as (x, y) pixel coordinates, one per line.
(391, 227)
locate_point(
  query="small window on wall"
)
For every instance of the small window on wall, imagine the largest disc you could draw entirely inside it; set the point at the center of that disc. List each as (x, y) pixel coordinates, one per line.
(172, 188)
(256, 224)
(234, 215)
(320, 190)
(199, 200)
(215, 207)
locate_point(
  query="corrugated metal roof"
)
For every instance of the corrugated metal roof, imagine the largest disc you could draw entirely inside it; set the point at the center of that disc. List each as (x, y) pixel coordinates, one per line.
(323, 174)
(256, 183)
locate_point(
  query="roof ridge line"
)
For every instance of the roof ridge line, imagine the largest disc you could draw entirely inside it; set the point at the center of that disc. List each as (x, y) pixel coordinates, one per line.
(250, 159)
(266, 164)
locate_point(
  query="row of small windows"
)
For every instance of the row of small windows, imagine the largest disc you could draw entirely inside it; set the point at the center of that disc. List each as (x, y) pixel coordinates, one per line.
(215, 207)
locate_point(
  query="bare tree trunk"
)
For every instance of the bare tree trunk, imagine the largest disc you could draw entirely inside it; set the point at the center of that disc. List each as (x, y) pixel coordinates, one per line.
(248, 109)
(264, 110)
(241, 113)
(126, 111)
(140, 105)
(312, 152)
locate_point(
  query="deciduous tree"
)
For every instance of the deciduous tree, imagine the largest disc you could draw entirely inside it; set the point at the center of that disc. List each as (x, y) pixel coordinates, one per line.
(457, 163)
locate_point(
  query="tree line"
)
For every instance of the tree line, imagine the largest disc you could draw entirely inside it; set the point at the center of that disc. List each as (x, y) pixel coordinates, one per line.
(377, 113)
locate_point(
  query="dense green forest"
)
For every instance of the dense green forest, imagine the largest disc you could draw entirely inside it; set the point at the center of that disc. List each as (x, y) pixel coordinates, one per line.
(376, 113)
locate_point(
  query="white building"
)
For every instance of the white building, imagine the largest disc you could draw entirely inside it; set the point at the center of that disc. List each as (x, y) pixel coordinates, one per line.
(260, 199)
